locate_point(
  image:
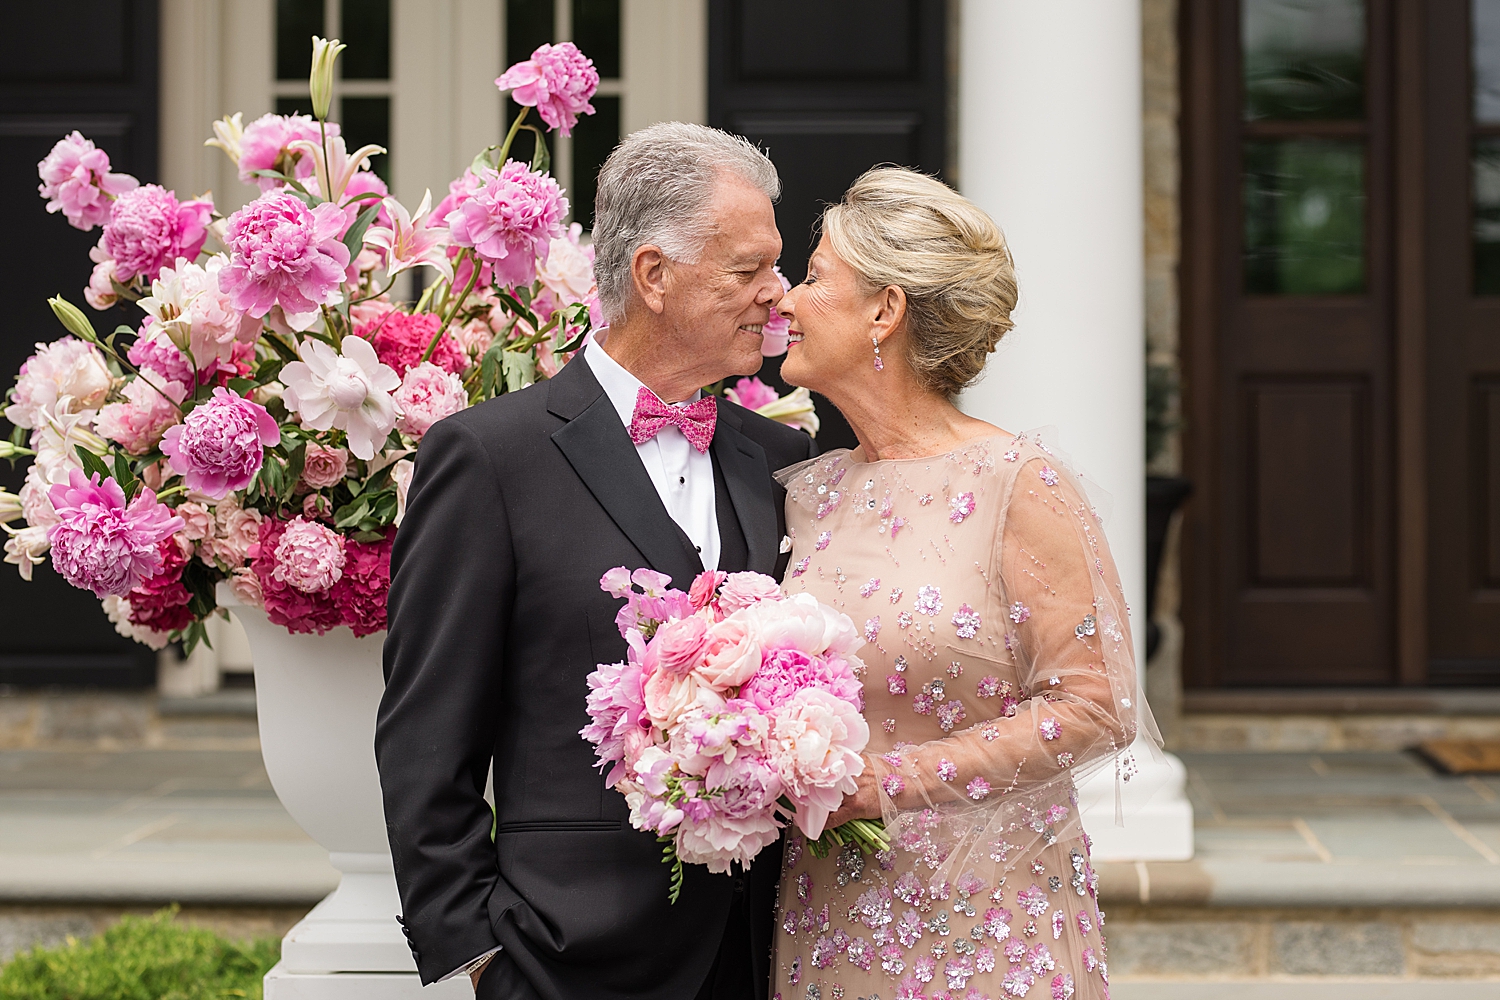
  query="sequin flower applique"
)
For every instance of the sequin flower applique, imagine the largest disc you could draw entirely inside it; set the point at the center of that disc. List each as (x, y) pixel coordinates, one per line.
(950, 715)
(823, 539)
(978, 789)
(1048, 474)
(960, 507)
(896, 595)
(929, 600)
(1033, 899)
(1018, 611)
(1011, 455)
(872, 628)
(870, 586)
(1050, 729)
(1064, 760)
(801, 566)
(947, 770)
(1087, 628)
(1062, 986)
(967, 621)
(903, 620)
(895, 683)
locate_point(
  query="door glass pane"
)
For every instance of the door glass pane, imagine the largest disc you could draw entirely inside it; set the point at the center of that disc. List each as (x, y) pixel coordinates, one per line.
(1304, 216)
(296, 22)
(365, 26)
(1486, 182)
(1303, 59)
(528, 23)
(596, 32)
(366, 120)
(593, 139)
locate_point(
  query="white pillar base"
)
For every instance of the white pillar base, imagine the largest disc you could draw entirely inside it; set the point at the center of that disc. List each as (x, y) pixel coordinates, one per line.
(283, 985)
(1158, 816)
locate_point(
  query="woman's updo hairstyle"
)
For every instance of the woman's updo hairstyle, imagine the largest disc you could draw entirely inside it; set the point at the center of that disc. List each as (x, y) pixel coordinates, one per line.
(898, 227)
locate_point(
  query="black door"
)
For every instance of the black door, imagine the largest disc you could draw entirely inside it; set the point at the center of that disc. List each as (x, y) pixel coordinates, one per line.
(89, 65)
(828, 89)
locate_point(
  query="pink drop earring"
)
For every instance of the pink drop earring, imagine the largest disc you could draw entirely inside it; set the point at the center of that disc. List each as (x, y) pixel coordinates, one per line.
(879, 365)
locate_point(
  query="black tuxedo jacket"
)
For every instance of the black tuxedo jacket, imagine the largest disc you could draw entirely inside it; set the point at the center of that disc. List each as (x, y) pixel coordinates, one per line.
(516, 509)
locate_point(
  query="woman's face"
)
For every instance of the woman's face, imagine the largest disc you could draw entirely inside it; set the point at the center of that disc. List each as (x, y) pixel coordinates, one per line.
(831, 317)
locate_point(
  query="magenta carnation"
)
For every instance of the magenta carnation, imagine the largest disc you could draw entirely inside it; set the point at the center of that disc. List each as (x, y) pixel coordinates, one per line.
(148, 229)
(264, 147)
(784, 672)
(219, 448)
(161, 601)
(101, 544)
(282, 252)
(510, 221)
(558, 81)
(400, 338)
(285, 605)
(360, 593)
(76, 181)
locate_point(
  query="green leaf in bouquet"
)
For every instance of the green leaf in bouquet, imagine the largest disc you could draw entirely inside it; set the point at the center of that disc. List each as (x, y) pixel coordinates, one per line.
(192, 636)
(125, 477)
(384, 511)
(393, 440)
(354, 239)
(520, 370)
(541, 160)
(92, 463)
(368, 536)
(295, 462)
(575, 342)
(269, 370)
(523, 292)
(271, 479)
(281, 347)
(517, 308)
(200, 579)
(351, 514)
(669, 857)
(489, 372)
(73, 319)
(485, 159)
(241, 386)
(18, 436)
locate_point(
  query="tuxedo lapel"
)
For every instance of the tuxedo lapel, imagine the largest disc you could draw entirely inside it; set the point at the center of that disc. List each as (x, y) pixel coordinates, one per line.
(600, 451)
(748, 478)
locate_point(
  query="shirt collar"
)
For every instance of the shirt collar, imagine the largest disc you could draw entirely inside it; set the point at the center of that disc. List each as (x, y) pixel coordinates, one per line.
(619, 385)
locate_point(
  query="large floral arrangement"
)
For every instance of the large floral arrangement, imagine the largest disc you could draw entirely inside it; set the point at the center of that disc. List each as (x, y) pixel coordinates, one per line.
(258, 425)
(737, 710)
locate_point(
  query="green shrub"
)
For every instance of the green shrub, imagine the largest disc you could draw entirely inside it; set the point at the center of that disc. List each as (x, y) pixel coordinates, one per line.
(142, 958)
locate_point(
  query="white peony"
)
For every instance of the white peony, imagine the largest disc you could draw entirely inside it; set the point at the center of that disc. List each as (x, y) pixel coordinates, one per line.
(65, 376)
(350, 392)
(567, 272)
(201, 319)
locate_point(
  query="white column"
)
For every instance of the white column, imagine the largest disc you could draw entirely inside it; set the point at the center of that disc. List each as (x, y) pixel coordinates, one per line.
(664, 50)
(1049, 130)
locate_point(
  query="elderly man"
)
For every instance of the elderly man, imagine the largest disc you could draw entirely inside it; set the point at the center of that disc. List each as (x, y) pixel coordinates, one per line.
(518, 506)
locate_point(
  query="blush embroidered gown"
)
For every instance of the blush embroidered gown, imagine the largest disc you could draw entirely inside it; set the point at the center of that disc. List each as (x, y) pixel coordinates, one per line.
(999, 665)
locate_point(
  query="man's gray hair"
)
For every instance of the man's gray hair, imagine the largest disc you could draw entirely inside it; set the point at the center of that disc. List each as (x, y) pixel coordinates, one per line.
(654, 190)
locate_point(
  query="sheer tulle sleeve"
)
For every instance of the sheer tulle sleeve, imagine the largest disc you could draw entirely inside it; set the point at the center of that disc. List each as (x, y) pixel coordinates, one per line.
(1069, 650)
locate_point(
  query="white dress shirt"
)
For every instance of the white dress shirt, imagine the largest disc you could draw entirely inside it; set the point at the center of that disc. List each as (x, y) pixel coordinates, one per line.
(682, 475)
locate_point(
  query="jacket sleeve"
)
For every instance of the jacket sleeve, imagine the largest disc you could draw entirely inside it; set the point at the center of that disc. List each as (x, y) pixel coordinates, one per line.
(452, 587)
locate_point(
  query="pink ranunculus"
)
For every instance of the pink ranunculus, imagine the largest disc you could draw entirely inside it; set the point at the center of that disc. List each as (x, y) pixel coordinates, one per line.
(400, 338)
(775, 335)
(76, 181)
(360, 592)
(741, 590)
(197, 521)
(731, 656)
(221, 445)
(427, 395)
(264, 147)
(705, 585)
(784, 672)
(309, 556)
(99, 542)
(324, 466)
(68, 368)
(510, 221)
(284, 253)
(816, 740)
(138, 423)
(148, 229)
(154, 351)
(751, 393)
(680, 644)
(557, 80)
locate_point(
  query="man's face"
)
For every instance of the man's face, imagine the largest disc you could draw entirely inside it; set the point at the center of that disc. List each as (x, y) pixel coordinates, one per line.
(715, 309)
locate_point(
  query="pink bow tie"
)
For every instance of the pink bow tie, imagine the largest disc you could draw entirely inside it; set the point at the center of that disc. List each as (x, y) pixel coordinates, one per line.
(696, 420)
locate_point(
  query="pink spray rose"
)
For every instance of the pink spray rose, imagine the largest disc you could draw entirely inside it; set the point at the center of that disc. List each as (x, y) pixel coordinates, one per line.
(558, 81)
(246, 587)
(427, 395)
(284, 253)
(219, 448)
(510, 221)
(324, 466)
(66, 369)
(235, 530)
(99, 542)
(741, 590)
(309, 556)
(264, 147)
(705, 585)
(731, 656)
(400, 338)
(148, 229)
(100, 291)
(815, 741)
(76, 181)
(679, 644)
(138, 423)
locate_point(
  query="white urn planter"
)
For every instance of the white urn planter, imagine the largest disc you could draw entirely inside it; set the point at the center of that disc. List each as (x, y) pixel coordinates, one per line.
(316, 700)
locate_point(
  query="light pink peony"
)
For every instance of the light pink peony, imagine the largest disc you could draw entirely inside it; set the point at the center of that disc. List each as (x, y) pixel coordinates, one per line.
(283, 253)
(510, 221)
(460, 190)
(741, 590)
(66, 372)
(221, 445)
(557, 80)
(76, 181)
(309, 556)
(101, 544)
(816, 740)
(264, 147)
(427, 395)
(568, 270)
(349, 392)
(148, 229)
(740, 821)
(801, 622)
(731, 656)
(784, 672)
(138, 423)
(324, 466)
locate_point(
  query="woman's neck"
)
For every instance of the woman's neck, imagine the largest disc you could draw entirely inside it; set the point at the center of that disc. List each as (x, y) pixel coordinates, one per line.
(898, 419)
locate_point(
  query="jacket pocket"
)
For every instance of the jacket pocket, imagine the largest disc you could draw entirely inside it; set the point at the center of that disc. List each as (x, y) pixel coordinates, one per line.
(561, 826)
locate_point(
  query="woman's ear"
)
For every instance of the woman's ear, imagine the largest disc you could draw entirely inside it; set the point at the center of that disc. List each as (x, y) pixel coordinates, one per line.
(648, 269)
(890, 312)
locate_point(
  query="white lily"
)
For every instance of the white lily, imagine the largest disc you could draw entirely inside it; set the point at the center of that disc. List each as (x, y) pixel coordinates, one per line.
(334, 172)
(10, 506)
(410, 241)
(228, 133)
(320, 80)
(795, 409)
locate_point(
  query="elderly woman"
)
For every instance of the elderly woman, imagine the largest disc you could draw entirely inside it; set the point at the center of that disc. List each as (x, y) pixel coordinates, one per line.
(999, 657)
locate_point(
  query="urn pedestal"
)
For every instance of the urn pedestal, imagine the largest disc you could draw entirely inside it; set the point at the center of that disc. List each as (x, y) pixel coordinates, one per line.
(316, 699)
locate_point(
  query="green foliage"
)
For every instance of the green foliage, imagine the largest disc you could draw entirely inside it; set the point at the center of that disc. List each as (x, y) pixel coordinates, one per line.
(142, 958)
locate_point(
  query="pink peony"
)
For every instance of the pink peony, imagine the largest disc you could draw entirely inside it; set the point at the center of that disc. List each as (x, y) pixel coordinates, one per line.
(427, 395)
(360, 592)
(731, 656)
(801, 622)
(568, 270)
(616, 703)
(264, 147)
(284, 253)
(400, 339)
(148, 229)
(741, 821)
(460, 190)
(557, 80)
(160, 603)
(324, 466)
(669, 696)
(76, 181)
(154, 351)
(309, 556)
(816, 740)
(138, 423)
(751, 393)
(293, 609)
(510, 221)
(741, 590)
(784, 672)
(67, 369)
(221, 445)
(679, 644)
(101, 544)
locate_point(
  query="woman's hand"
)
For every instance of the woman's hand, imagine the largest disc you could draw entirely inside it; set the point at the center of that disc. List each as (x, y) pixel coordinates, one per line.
(862, 803)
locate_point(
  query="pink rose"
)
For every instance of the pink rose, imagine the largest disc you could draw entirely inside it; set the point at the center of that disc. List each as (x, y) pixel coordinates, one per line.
(246, 587)
(731, 656)
(557, 80)
(701, 593)
(669, 696)
(744, 589)
(324, 466)
(679, 644)
(816, 741)
(197, 522)
(315, 507)
(427, 395)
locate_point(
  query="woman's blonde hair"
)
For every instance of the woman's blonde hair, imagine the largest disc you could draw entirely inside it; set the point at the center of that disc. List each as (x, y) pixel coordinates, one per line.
(898, 227)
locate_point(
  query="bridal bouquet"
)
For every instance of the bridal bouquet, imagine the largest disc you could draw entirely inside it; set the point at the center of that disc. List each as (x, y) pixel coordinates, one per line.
(736, 711)
(256, 425)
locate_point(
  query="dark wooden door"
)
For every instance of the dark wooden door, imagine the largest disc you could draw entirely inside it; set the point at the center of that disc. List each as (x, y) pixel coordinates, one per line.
(89, 65)
(1288, 273)
(829, 89)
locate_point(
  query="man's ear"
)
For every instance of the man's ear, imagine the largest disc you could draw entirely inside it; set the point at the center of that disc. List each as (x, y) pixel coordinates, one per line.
(890, 312)
(648, 269)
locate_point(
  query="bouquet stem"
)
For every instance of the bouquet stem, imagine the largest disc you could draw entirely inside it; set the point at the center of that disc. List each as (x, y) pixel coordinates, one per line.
(866, 834)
